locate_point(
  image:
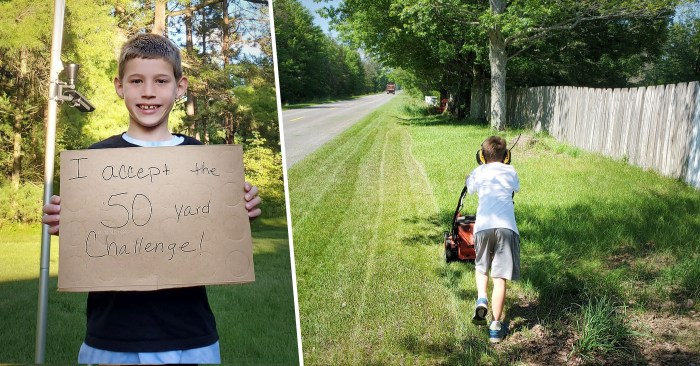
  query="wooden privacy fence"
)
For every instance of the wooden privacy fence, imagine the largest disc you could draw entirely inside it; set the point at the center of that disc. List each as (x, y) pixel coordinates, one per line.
(654, 127)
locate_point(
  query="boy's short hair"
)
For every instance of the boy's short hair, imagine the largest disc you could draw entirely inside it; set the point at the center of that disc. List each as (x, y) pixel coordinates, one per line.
(494, 148)
(150, 46)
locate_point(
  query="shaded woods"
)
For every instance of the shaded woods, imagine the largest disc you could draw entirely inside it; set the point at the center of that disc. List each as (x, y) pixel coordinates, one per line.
(227, 56)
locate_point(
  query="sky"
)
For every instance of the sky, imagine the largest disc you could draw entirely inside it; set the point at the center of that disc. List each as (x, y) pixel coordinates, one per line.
(312, 6)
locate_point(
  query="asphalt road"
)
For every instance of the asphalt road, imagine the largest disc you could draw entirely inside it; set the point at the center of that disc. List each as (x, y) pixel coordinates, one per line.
(306, 129)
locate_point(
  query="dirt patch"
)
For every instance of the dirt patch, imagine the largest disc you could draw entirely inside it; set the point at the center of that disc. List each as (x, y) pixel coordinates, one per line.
(663, 340)
(532, 343)
(528, 145)
(669, 340)
(541, 346)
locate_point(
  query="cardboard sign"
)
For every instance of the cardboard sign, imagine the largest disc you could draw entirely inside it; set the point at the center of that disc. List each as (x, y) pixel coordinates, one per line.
(152, 218)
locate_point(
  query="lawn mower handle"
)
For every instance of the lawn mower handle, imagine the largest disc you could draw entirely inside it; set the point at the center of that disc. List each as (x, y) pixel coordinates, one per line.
(459, 205)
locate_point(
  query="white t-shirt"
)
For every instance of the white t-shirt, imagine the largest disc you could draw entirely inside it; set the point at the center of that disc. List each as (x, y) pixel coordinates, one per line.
(494, 183)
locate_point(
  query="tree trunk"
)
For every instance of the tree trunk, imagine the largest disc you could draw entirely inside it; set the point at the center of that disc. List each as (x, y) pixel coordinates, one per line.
(452, 103)
(457, 101)
(225, 34)
(497, 58)
(17, 149)
(478, 101)
(159, 18)
(189, 51)
(230, 128)
(203, 33)
(17, 125)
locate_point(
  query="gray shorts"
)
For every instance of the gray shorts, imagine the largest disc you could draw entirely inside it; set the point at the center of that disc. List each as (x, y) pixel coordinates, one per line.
(499, 251)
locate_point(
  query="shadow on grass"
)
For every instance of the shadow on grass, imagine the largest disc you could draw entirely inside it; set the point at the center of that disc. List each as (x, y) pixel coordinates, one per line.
(590, 248)
(433, 120)
(269, 228)
(641, 249)
(420, 116)
(65, 322)
(424, 231)
(450, 351)
(256, 321)
(428, 231)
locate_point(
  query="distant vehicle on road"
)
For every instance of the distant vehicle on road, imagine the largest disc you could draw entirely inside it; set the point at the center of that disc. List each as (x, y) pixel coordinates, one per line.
(391, 88)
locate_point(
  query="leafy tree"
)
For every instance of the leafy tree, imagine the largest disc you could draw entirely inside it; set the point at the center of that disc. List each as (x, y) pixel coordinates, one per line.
(680, 60)
(444, 41)
(232, 98)
(603, 54)
(22, 47)
(238, 106)
(427, 38)
(519, 25)
(376, 76)
(24, 67)
(300, 52)
(313, 65)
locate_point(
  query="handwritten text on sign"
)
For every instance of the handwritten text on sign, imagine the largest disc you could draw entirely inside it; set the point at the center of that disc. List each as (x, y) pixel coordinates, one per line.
(153, 218)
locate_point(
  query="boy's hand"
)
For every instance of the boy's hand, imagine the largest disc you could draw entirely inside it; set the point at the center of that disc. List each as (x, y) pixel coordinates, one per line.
(51, 214)
(252, 201)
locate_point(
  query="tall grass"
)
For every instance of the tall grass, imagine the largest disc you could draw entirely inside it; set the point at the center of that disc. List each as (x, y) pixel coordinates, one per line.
(256, 322)
(603, 331)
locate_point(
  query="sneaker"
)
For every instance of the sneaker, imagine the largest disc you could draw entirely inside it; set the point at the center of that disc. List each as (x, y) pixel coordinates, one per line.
(480, 311)
(497, 331)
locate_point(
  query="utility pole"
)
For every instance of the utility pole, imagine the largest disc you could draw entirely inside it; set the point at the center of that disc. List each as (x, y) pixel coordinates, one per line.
(56, 68)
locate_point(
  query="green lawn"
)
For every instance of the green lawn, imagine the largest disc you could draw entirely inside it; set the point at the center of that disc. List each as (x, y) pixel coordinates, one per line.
(369, 209)
(256, 322)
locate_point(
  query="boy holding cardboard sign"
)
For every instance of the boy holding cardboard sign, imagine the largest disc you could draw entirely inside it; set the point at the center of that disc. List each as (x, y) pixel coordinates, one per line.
(163, 326)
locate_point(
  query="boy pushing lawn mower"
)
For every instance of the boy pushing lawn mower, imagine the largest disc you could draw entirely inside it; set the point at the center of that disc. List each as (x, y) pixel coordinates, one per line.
(496, 237)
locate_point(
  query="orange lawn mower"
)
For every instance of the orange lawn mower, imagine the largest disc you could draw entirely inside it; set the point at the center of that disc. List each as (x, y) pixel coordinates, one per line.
(459, 241)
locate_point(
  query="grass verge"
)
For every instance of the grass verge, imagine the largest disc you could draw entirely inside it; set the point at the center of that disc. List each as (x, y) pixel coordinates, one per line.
(256, 322)
(370, 278)
(368, 210)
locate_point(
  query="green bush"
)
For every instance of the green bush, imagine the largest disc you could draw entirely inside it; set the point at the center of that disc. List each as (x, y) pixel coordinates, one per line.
(264, 169)
(21, 205)
(417, 109)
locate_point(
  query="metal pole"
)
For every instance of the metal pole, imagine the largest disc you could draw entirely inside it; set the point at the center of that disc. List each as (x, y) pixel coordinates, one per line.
(56, 67)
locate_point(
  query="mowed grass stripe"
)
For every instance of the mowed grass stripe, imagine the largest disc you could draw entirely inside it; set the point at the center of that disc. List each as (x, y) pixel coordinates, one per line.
(358, 332)
(334, 160)
(369, 284)
(323, 178)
